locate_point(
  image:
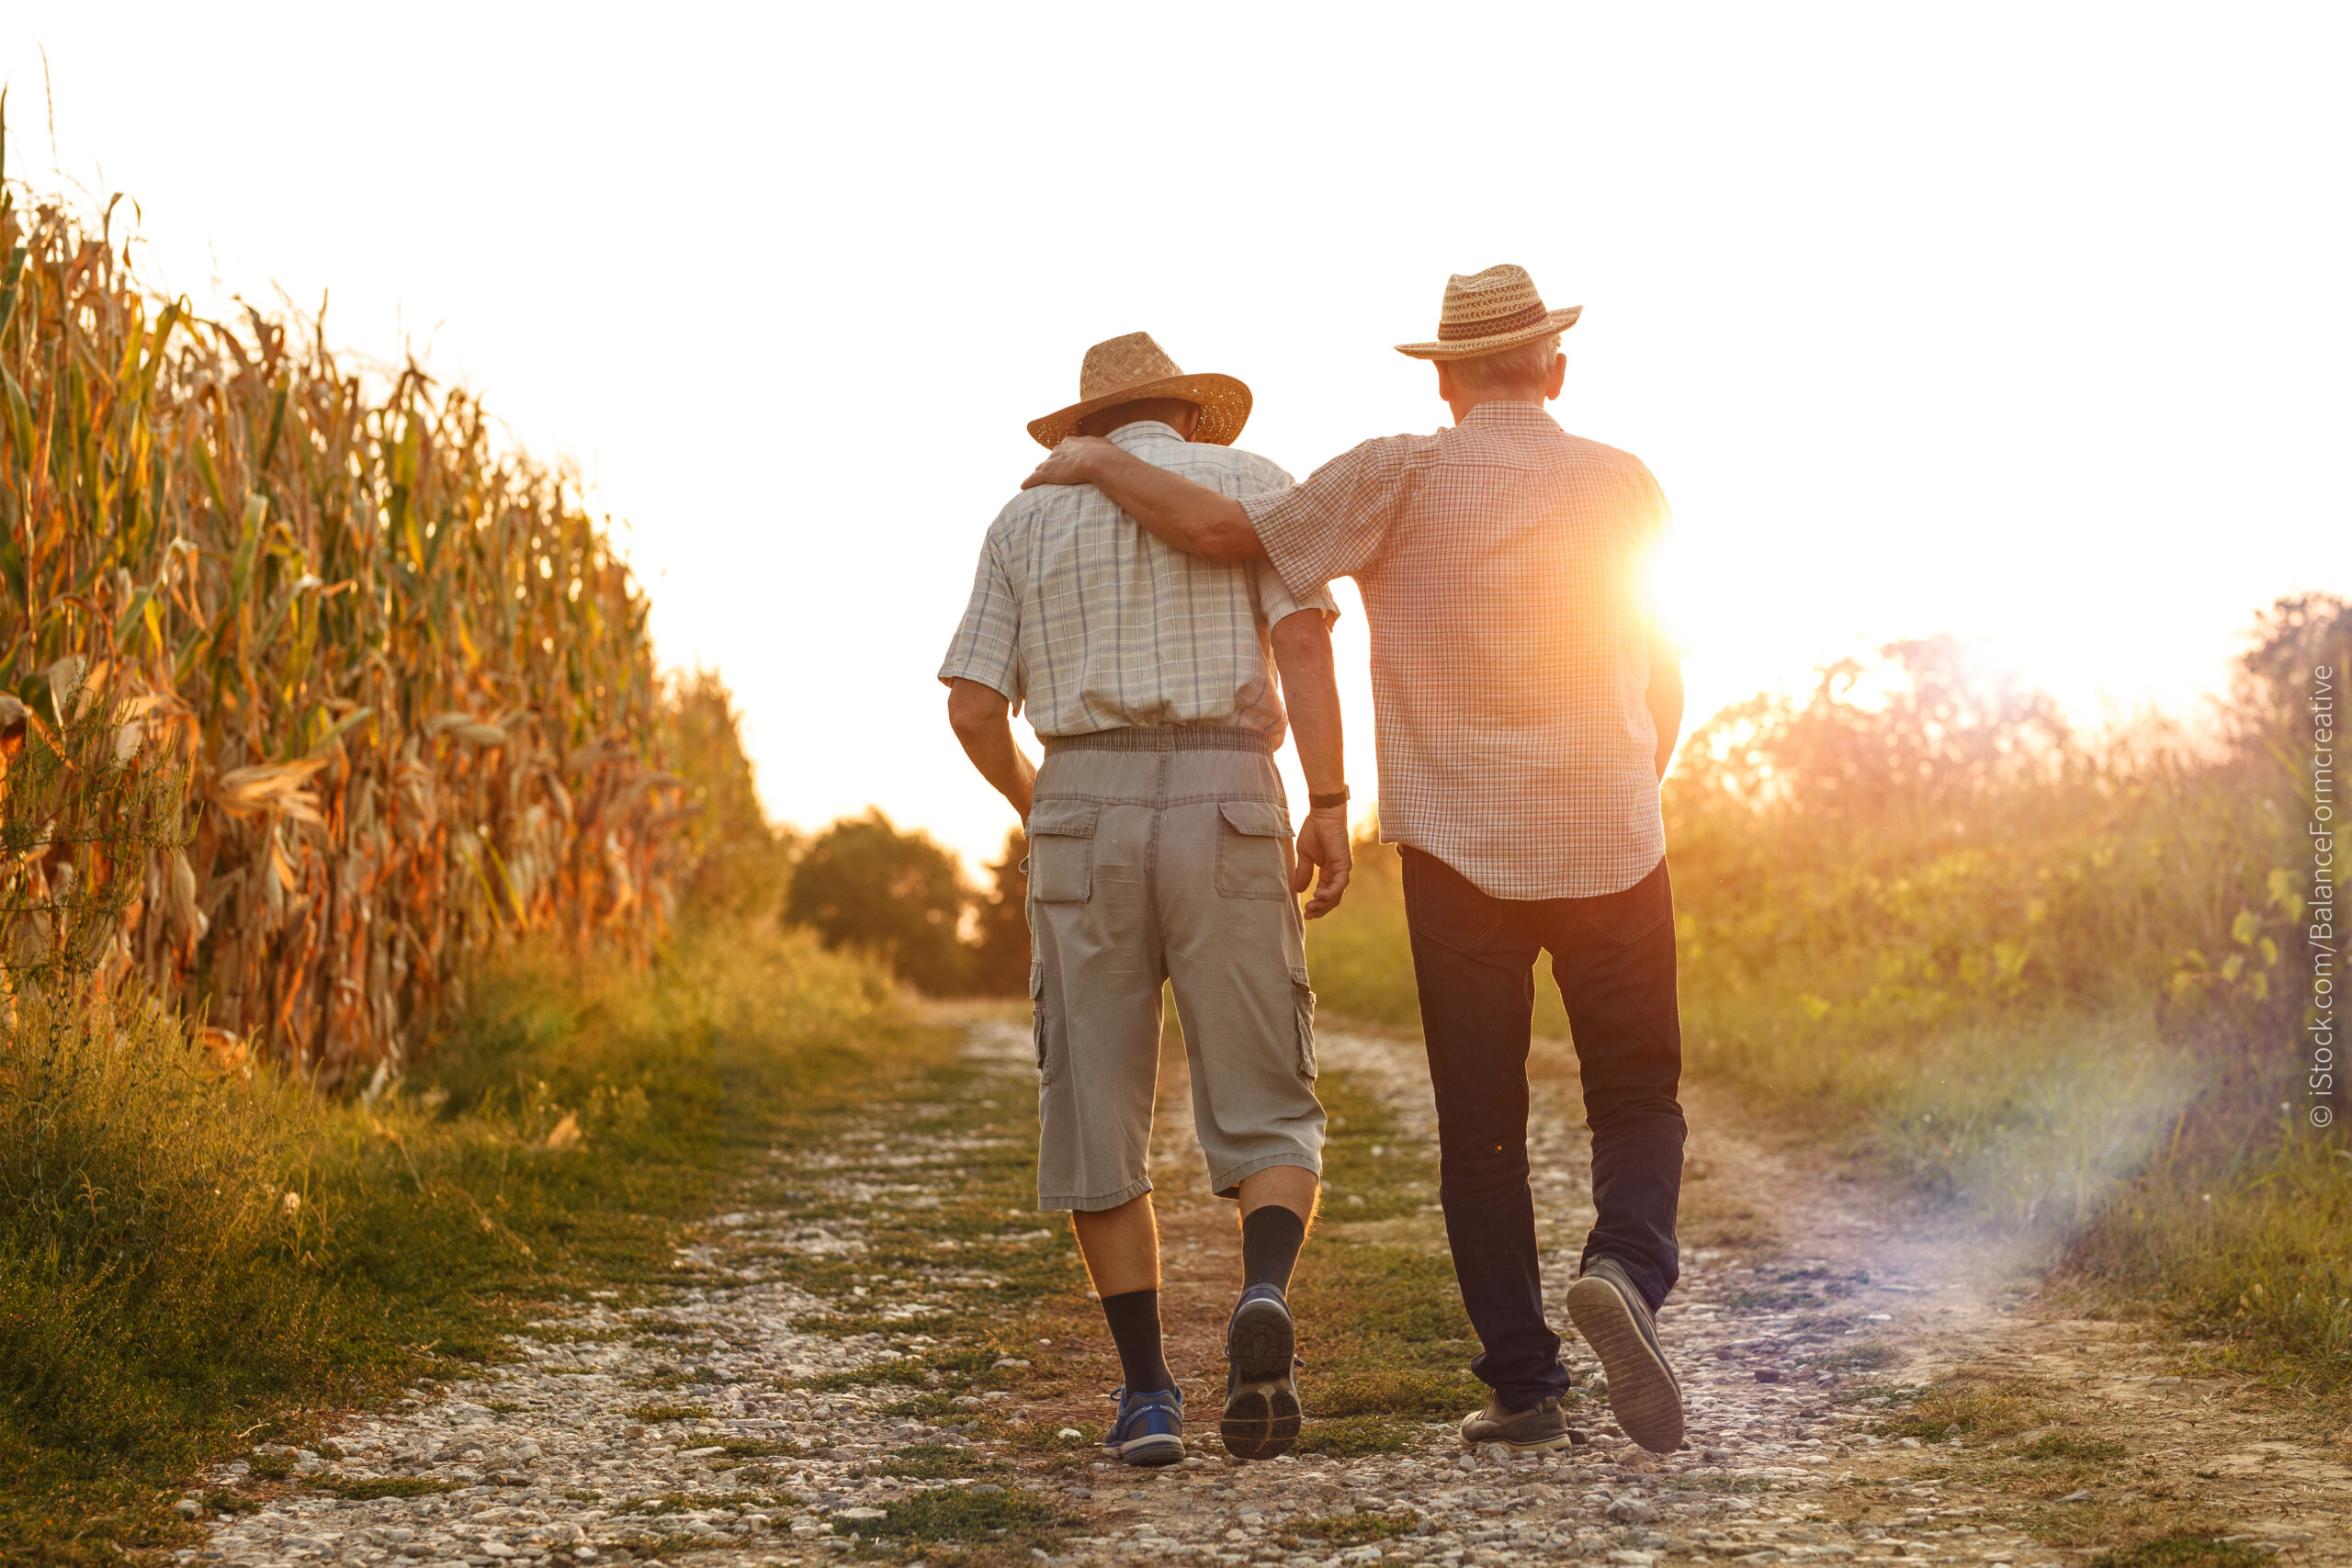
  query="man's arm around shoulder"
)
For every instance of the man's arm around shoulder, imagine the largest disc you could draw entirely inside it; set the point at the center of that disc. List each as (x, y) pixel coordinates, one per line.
(1186, 516)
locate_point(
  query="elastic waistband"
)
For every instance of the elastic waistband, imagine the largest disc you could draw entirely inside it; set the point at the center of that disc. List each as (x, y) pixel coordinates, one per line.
(1165, 738)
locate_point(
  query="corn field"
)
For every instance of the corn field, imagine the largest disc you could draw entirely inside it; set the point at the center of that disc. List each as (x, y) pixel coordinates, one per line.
(400, 679)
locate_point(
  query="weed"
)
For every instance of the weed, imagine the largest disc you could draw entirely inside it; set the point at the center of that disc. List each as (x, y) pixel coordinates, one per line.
(2183, 1552)
(1963, 1406)
(651, 1413)
(269, 1467)
(2059, 1445)
(936, 1461)
(366, 1488)
(955, 1514)
(1350, 1529)
(759, 1448)
(1354, 1437)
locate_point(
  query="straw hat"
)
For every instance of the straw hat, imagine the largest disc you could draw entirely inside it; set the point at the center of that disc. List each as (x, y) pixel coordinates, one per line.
(1131, 367)
(1488, 312)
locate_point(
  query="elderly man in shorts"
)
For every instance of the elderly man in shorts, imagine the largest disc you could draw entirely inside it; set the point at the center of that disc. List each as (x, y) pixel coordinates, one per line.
(1160, 852)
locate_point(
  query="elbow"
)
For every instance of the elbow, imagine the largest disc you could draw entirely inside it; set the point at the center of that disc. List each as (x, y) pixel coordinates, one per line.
(973, 710)
(1303, 643)
(1227, 535)
(1218, 543)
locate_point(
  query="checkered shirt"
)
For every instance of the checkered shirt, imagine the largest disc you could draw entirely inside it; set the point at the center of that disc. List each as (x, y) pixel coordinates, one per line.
(1501, 563)
(1092, 623)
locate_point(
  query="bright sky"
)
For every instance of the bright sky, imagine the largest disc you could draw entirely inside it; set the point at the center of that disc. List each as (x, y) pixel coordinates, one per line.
(2024, 322)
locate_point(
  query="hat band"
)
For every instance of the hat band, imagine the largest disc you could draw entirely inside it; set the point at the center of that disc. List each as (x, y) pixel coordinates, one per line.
(1493, 326)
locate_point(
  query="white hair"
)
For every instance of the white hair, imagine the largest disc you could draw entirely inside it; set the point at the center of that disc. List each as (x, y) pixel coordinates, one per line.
(1507, 368)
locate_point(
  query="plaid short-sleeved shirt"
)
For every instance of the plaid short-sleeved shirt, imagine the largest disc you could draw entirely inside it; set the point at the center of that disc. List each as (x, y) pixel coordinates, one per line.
(1501, 563)
(1090, 624)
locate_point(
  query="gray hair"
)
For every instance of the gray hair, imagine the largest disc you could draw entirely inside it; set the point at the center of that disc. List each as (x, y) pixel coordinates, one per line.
(1507, 368)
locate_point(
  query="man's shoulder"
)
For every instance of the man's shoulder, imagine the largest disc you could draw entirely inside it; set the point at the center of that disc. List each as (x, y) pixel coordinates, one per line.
(1206, 463)
(1029, 507)
(1602, 455)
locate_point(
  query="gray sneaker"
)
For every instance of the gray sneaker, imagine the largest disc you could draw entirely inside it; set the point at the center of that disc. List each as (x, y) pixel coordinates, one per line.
(1546, 1426)
(1615, 1321)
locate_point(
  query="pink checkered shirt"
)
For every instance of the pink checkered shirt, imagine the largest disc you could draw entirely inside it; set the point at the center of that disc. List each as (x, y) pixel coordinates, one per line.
(1501, 563)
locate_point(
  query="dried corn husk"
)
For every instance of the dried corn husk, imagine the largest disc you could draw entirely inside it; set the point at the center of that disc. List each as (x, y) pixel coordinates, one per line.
(405, 671)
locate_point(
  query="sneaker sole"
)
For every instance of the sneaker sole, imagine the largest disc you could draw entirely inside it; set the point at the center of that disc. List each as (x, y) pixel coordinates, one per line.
(1642, 1391)
(1149, 1453)
(1535, 1445)
(1262, 1413)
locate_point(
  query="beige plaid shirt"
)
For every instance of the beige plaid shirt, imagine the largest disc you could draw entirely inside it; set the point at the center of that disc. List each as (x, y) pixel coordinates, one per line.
(1091, 624)
(1501, 563)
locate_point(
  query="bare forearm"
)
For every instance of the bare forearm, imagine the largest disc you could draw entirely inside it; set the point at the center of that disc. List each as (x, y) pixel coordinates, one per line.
(1311, 692)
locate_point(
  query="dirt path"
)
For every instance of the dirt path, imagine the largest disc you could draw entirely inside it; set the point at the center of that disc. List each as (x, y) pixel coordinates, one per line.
(1810, 1312)
(715, 1423)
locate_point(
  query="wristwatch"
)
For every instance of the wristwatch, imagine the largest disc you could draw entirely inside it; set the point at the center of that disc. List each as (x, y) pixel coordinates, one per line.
(1326, 802)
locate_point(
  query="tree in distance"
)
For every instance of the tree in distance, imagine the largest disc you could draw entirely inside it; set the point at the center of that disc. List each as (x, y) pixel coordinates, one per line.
(864, 885)
(1000, 960)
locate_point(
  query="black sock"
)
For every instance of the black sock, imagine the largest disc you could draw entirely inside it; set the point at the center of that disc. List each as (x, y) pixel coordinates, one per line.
(1271, 1237)
(1134, 1316)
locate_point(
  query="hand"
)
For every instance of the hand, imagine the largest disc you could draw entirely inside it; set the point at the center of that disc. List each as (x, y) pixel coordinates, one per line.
(1067, 464)
(1323, 859)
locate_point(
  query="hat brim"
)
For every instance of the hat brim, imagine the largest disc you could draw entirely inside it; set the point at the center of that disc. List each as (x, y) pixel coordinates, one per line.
(1471, 348)
(1224, 404)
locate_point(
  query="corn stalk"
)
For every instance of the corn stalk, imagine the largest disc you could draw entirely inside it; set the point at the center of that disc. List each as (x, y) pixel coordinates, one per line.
(403, 674)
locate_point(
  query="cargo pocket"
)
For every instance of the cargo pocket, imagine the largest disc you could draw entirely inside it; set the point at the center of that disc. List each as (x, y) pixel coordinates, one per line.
(1249, 838)
(1062, 851)
(1303, 999)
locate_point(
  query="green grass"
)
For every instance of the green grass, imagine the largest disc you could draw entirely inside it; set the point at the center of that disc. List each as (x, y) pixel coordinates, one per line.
(1021, 1520)
(651, 1414)
(187, 1304)
(935, 1461)
(2184, 1551)
(1350, 1529)
(365, 1488)
(1382, 1330)
(2059, 1445)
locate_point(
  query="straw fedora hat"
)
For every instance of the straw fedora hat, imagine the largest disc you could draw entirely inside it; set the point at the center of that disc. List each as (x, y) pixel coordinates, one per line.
(1131, 367)
(1488, 312)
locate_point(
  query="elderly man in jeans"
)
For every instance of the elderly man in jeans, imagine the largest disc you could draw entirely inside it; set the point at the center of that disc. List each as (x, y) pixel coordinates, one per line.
(1159, 850)
(1527, 709)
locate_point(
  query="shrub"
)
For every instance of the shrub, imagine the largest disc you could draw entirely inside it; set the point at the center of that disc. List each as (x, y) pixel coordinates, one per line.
(864, 884)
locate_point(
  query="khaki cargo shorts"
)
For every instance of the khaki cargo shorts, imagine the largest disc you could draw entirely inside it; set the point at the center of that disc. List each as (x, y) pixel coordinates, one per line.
(1151, 859)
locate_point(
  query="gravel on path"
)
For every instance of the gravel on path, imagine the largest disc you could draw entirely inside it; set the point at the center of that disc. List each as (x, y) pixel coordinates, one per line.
(557, 1457)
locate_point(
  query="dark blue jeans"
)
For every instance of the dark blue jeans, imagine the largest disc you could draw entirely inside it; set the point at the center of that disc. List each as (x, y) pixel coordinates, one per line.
(1474, 957)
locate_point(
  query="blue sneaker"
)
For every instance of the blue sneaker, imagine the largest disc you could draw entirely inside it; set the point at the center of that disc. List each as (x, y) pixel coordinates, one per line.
(1262, 1412)
(1149, 1430)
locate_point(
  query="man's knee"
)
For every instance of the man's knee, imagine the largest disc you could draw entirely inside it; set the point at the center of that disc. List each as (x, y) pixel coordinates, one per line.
(1483, 1165)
